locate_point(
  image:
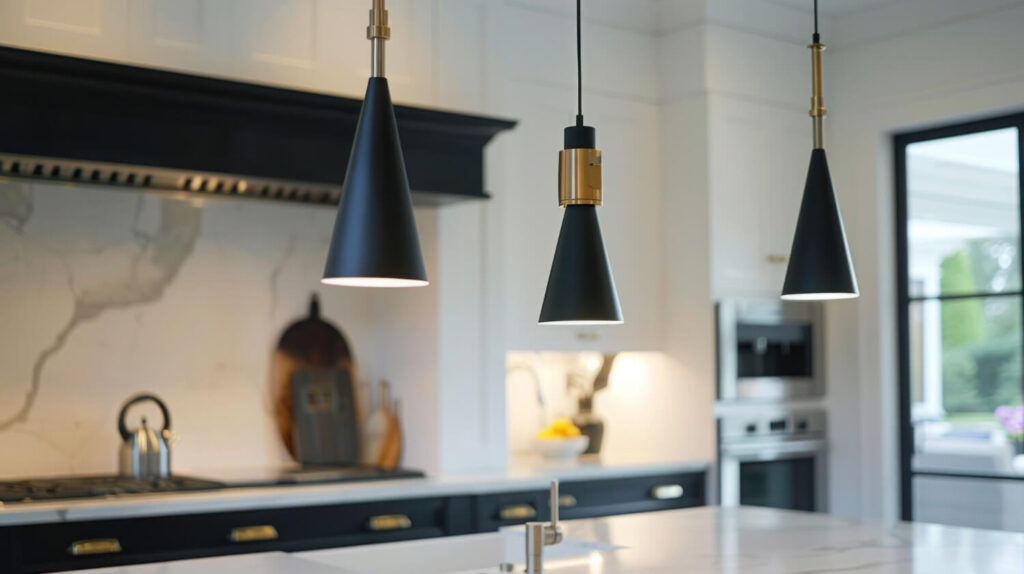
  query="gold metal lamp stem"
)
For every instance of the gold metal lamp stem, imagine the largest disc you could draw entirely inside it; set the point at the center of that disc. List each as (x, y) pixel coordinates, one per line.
(377, 33)
(818, 110)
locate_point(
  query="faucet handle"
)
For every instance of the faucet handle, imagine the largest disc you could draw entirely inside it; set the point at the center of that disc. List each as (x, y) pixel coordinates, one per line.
(553, 533)
(554, 504)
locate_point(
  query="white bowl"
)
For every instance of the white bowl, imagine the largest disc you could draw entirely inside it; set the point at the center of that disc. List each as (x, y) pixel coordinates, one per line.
(561, 448)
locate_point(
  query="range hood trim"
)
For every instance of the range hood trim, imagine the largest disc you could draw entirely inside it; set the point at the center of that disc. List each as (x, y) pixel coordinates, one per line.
(214, 136)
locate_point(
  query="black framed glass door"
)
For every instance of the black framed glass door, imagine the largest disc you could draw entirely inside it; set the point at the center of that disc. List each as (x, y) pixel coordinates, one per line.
(958, 232)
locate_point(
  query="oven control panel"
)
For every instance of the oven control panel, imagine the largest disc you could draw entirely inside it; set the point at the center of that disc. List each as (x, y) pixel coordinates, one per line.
(780, 424)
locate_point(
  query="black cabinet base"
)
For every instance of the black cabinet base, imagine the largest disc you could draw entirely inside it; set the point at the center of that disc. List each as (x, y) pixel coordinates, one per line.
(95, 544)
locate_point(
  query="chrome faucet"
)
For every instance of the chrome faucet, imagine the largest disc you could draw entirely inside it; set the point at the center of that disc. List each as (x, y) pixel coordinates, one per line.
(541, 534)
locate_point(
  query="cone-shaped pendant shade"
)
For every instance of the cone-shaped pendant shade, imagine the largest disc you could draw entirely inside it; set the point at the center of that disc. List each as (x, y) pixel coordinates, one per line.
(375, 243)
(819, 263)
(581, 289)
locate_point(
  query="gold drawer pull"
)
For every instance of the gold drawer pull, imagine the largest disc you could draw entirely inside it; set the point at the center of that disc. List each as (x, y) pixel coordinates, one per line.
(95, 546)
(567, 501)
(385, 522)
(517, 512)
(253, 533)
(667, 492)
(777, 259)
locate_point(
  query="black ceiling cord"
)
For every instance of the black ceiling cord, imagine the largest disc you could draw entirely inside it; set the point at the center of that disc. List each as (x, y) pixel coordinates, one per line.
(817, 37)
(579, 68)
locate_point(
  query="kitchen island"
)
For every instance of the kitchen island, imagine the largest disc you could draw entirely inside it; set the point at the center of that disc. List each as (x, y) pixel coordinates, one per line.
(705, 540)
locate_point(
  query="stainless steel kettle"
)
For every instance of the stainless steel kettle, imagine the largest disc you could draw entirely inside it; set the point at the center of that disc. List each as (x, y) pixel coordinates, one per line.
(145, 452)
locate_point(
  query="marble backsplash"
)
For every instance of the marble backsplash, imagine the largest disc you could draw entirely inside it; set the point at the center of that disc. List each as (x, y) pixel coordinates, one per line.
(106, 293)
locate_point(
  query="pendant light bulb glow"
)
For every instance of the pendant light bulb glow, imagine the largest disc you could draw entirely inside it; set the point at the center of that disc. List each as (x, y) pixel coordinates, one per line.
(375, 242)
(581, 288)
(820, 267)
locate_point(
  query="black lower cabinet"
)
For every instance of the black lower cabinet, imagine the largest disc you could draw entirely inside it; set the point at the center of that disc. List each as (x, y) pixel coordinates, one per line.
(592, 498)
(93, 544)
(492, 511)
(628, 495)
(71, 545)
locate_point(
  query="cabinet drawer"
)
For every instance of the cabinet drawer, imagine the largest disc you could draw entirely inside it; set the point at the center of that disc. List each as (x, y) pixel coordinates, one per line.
(42, 548)
(608, 497)
(494, 511)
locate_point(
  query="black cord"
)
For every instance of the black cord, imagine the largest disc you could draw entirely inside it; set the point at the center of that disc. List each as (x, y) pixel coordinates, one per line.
(579, 67)
(817, 37)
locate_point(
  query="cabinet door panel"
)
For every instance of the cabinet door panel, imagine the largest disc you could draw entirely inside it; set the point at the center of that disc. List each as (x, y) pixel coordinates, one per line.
(758, 160)
(628, 495)
(509, 509)
(321, 45)
(89, 28)
(185, 35)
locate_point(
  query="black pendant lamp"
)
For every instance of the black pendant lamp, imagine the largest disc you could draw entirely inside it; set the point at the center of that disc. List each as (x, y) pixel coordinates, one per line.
(375, 243)
(581, 289)
(819, 263)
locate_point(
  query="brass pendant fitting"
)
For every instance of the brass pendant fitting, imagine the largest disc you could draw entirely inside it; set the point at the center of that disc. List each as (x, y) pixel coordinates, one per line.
(579, 177)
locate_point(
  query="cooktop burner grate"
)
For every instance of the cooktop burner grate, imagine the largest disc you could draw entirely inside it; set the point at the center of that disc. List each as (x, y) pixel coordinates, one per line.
(93, 486)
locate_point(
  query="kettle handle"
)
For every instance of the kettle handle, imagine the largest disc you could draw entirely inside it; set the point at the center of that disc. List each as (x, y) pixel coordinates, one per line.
(121, 426)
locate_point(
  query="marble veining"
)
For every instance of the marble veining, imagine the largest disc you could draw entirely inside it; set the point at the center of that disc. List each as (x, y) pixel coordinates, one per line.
(150, 261)
(107, 293)
(15, 206)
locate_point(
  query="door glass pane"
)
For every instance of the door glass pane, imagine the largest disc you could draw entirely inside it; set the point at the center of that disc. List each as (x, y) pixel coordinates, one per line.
(966, 383)
(785, 483)
(963, 228)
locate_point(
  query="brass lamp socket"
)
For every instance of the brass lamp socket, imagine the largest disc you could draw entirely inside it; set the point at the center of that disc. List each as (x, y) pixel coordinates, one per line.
(579, 177)
(579, 167)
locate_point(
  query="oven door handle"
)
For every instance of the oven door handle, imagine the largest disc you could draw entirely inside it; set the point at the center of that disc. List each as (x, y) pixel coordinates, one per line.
(773, 451)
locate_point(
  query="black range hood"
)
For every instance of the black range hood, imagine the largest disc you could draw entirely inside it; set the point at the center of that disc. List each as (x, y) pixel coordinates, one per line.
(78, 120)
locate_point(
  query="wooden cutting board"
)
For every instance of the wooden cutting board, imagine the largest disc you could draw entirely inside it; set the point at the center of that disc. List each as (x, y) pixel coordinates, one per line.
(310, 342)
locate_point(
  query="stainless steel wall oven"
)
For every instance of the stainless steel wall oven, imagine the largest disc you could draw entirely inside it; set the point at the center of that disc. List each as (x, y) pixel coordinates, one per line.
(777, 460)
(769, 349)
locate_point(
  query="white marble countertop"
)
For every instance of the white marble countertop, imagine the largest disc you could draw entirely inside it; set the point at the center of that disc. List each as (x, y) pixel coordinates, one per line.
(707, 540)
(713, 540)
(521, 474)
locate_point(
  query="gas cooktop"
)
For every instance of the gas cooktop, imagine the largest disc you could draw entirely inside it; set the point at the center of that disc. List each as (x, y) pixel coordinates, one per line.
(31, 490)
(94, 486)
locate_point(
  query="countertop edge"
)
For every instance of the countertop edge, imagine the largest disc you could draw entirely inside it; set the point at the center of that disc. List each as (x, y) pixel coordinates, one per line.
(252, 498)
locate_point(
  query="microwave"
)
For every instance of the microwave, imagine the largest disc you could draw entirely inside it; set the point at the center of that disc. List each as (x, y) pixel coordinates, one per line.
(769, 349)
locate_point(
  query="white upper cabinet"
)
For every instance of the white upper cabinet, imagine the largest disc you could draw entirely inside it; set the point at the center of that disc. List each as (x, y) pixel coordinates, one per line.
(90, 28)
(314, 45)
(758, 163)
(183, 35)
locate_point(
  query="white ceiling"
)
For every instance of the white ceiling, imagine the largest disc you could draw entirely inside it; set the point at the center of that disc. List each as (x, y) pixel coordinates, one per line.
(835, 7)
